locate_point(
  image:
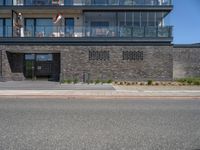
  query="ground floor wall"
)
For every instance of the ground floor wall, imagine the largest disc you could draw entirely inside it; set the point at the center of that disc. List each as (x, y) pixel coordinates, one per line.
(117, 63)
(85, 63)
(186, 62)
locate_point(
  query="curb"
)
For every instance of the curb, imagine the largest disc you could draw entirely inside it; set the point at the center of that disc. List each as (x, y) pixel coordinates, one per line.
(118, 97)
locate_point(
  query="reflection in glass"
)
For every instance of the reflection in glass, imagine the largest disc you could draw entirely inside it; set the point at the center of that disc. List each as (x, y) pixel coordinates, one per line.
(44, 57)
(29, 56)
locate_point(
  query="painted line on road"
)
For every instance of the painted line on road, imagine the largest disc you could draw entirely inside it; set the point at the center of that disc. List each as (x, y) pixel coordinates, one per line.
(160, 91)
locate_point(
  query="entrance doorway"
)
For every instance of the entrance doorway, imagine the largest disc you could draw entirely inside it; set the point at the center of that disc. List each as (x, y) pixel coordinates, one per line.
(41, 66)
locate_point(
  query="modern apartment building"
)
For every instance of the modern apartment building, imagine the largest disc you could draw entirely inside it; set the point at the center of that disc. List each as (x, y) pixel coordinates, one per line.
(85, 40)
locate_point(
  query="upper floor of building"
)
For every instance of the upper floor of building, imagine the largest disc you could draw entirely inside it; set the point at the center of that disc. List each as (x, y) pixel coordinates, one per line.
(85, 2)
(88, 26)
(86, 20)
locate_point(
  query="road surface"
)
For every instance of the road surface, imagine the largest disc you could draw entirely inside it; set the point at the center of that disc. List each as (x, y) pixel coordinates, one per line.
(37, 124)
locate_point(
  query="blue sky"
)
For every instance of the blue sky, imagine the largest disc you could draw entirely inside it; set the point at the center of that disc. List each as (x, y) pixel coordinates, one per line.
(185, 19)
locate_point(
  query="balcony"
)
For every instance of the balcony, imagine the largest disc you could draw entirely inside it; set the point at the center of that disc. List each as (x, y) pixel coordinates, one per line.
(88, 34)
(86, 2)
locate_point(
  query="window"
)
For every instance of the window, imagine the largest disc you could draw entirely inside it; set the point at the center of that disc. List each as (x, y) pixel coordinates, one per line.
(100, 2)
(38, 27)
(5, 27)
(44, 57)
(44, 27)
(1, 27)
(29, 56)
(39, 57)
(132, 55)
(99, 55)
(5, 2)
(69, 27)
(152, 19)
(37, 2)
(144, 19)
(68, 2)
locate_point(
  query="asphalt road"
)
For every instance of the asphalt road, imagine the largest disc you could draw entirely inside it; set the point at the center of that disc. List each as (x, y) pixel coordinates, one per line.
(33, 124)
(47, 85)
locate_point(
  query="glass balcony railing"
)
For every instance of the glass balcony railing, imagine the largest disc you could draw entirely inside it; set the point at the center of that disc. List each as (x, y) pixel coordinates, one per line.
(79, 31)
(87, 2)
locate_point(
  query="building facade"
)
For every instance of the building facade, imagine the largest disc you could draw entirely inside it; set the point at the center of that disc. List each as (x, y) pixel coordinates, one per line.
(88, 40)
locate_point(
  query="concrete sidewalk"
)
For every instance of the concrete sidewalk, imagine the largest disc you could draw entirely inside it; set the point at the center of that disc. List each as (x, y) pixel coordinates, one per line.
(100, 93)
(52, 90)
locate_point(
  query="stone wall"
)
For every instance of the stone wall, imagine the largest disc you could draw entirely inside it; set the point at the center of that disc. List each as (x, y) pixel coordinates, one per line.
(156, 63)
(186, 62)
(5, 67)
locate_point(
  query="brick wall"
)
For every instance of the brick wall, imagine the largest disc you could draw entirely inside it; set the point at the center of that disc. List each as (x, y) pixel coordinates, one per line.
(156, 63)
(186, 62)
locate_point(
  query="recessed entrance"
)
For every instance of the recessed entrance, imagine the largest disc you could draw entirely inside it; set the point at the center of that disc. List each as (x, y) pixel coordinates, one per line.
(41, 66)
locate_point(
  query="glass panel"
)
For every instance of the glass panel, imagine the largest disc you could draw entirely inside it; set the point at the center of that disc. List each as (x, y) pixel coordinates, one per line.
(100, 2)
(138, 31)
(137, 19)
(125, 19)
(1, 2)
(29, 56)
(151, 19)
(151, 2)
(28, 2)
(99, 28)
(126, 2)
(159, 16)
(44, 27)
(68, 2)
(144, 19)
(8, 28)
(150, 32)
(18, 2)
(114, 2)
(8, 2)
(40, 2)
(29, 28)
(125, 31)
(44, 57)
(1, 27)
(43, 2)
(163, 32)
(69, 27)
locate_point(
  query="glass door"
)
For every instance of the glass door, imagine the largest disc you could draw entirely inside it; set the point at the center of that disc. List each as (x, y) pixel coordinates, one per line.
(29, 70)
(69, 27)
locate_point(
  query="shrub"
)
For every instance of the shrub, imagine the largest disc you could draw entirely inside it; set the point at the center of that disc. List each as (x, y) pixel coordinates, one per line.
(196, 82)
(109, 81)
(149, 82)
(190, 81)
(75, 81)
(91, 81)
(69, 81)
(97, 81)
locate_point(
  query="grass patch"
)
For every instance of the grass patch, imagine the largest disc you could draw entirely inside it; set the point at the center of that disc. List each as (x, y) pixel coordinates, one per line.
(190, 81)
(149, 82)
